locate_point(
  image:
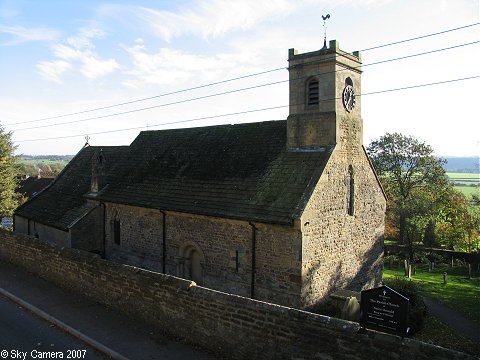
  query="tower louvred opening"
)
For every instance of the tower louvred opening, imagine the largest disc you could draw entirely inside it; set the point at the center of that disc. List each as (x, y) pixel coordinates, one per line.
(312, 92)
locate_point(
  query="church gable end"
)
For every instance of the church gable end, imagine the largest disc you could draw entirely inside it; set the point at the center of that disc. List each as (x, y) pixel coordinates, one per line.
(343, 221)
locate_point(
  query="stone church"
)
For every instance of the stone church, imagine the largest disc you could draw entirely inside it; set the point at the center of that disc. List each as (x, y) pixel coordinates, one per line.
(281, 211)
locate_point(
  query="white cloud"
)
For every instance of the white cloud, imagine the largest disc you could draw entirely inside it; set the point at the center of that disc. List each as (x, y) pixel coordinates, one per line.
(22, 34)
(171, 66)
(93, 68)
(52, 70)
(66, 52)
(204, 18)
(78, 53)
(83, 40)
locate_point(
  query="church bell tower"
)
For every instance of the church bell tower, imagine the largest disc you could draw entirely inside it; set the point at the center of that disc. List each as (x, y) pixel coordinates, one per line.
(324, 109)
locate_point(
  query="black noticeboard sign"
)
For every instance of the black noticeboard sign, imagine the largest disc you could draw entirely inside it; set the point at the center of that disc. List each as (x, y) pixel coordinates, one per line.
(384, 309)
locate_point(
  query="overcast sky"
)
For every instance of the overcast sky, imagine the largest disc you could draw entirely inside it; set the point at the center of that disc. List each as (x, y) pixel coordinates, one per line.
(59, 58)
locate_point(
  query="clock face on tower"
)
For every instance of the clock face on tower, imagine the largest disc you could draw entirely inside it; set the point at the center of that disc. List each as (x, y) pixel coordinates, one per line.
(348, 98)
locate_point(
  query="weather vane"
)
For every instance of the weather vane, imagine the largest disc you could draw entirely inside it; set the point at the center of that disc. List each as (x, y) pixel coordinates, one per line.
(325, 17)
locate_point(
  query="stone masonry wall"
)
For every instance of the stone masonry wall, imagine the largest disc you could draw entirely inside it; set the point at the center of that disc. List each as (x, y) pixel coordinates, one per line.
(229, 325)
(42, 232)
(226, 247)
(87, 234)
(140, 236)
(342, 250)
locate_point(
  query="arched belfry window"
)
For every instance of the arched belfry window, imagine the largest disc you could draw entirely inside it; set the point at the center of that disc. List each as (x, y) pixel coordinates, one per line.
(350, 191)
(192, 263)
(312, 91)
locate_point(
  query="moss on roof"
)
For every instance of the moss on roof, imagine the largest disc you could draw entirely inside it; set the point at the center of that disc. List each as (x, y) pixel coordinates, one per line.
(62, 203)
(234, 171)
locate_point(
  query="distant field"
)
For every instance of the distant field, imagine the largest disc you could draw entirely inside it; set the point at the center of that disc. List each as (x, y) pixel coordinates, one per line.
(455, 176)
(45, 166)
(468, 190)
(467, 183)
(43, 161)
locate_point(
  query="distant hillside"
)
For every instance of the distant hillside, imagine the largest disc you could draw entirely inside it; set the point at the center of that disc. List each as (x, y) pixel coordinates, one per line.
(462, 164)
(65, 158)
(43, 165)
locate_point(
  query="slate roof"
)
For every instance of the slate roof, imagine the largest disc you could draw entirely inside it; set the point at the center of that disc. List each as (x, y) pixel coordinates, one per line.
(234, 171)
(62, 203)
(32, 185)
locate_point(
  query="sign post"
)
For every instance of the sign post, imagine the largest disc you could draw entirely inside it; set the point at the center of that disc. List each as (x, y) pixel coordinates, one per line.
(384, 309)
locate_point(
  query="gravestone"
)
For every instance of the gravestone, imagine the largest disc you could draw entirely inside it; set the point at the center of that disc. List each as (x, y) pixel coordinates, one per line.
(384, 309)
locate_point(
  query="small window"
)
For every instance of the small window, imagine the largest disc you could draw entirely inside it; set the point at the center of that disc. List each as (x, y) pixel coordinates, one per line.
(237, 262)
(312, 92)
(350, 191)
(116, 231)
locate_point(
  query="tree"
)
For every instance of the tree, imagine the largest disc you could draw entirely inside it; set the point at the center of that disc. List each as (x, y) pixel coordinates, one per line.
(430, 236)
(412, 176)
(8, 174)
(458, 222)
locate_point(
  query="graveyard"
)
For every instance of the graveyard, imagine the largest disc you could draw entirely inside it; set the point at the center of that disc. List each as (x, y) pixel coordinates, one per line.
(453, 284)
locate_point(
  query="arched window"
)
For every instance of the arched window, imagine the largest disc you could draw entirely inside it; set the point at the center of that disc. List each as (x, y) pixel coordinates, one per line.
(312, 91)
(116, 228)
(350, 191)
(192, 263)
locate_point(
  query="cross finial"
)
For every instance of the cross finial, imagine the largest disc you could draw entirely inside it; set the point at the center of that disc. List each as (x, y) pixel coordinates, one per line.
(87, 139)
(325, 17)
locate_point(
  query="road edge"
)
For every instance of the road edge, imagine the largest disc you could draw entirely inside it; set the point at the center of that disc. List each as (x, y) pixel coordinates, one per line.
(65, 327)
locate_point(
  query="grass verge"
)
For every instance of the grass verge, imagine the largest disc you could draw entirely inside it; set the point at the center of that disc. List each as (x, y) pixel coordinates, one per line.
(459, 293)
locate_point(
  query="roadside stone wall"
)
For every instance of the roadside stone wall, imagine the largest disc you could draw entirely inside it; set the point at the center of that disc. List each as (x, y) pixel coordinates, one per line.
(225, 246)
(229, 325)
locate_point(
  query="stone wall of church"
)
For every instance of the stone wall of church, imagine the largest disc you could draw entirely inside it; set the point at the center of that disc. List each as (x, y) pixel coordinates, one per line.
(87, 233)
(223, 251)
(42, 232)
(342, 250)
(140, 236)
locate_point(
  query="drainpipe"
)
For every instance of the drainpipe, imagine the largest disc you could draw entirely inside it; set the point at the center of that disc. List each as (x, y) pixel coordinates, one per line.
(254, 267)
(164, 241)
(104, 230)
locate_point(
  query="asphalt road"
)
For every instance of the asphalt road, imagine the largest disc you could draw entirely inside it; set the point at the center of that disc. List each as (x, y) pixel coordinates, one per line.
(25, 336)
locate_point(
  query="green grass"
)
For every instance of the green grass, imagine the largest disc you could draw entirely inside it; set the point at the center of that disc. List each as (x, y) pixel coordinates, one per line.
(460, 293)
(464, 181)
(455, 176)
(468, 190)
(390, 242)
